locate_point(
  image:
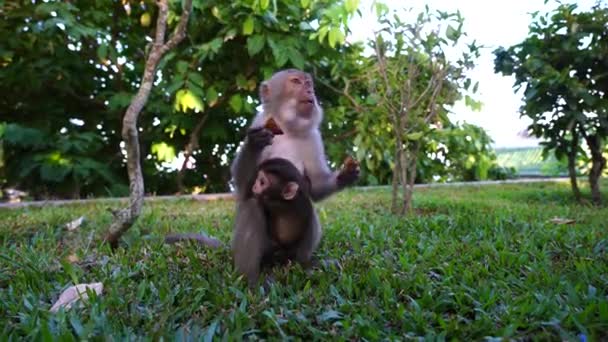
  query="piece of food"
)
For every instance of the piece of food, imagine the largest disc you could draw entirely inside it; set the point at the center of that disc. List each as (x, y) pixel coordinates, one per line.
(273, 127)
(350, 163)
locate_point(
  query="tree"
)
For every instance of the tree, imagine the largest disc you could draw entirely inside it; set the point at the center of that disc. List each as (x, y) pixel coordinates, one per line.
(458, 152)
(71, 68)
(125, 218)
(408, 82)
(562, 65)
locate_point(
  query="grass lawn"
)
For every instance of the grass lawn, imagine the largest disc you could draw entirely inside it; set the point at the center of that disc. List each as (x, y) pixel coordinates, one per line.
(474, 262)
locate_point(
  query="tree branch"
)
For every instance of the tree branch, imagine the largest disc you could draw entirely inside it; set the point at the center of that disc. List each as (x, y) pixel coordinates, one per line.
(190, 147)
(125, 218)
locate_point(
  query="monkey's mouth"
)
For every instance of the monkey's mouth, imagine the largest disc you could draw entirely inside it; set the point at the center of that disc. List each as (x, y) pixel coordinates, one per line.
(306, 108)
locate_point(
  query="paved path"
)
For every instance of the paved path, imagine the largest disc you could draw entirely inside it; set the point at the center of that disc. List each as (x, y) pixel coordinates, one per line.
(228, 196)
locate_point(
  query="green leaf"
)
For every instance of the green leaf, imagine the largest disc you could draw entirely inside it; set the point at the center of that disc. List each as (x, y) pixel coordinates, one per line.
(264, 4)
(196, 78)
(178, 83)
(216, 44)
(241, 81)
(351, 5)
(323, 30)
(278, 52)
(248, 26)
(102, 51)
(230, 34)
(451, 33)
(381, 9)
(119, 101)
(335, 36)
(415, 136)
(168, 57)
(26, 137)
(185, 99)
(163, 151)
(236, 103)
(181, 67)
(304, 3)
(196, 89)
(211, 96)
(255, 44)
(296, 58)
(55, 167)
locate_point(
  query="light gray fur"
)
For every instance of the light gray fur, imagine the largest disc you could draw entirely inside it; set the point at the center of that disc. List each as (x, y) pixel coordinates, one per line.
(250, 240)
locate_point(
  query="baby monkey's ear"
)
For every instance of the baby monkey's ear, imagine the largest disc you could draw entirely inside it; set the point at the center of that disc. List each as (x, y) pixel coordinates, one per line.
(290, 190)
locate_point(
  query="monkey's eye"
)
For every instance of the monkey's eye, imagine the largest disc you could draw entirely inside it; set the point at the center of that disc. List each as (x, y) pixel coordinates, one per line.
(296, 81)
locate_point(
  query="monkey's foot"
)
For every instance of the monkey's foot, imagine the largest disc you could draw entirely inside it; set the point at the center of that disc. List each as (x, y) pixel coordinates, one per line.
(325, 264)
(268, 282)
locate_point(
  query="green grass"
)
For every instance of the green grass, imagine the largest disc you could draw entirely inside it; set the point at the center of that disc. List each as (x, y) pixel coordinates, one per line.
(474, 262)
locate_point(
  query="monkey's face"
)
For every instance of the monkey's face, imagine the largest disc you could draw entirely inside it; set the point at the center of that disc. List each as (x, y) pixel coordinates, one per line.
(262, 184)
(299, 86)
(290, 96)
(269, 188)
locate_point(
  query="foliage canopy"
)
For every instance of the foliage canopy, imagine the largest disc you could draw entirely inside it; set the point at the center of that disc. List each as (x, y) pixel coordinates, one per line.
(69, 71)
(562, 64)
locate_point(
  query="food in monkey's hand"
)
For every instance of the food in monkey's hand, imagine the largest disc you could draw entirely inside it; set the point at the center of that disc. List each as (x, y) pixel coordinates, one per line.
(350, 163)
(273, 127)
(349, 173)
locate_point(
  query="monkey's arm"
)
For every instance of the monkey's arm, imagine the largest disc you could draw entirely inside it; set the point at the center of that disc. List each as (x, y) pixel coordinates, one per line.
(323, 184)
(324, 181)
(243, 168)
(241, 173)
(250, 241)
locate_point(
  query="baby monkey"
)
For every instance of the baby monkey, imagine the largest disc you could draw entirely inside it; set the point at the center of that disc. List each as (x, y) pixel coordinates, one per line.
(284, 195)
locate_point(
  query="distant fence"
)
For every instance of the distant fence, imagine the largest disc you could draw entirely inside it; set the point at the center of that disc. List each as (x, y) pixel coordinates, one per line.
(529, 162)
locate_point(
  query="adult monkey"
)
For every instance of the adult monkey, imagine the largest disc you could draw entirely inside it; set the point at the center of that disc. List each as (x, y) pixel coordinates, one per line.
(289, 98)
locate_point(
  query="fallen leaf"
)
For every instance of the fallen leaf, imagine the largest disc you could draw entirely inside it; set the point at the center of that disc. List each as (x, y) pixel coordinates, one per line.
(74, 293)
(71, 226)
(73, 258)
(560, 220)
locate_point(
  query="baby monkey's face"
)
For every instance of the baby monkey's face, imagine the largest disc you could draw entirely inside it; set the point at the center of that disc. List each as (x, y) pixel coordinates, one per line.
(262, 183)
(268, 186)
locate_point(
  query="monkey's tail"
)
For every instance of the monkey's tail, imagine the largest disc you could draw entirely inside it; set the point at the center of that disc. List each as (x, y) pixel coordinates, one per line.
(200, 238)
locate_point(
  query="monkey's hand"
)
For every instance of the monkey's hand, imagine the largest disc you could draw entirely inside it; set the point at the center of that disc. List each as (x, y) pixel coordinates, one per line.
(349, 173)
(259, 137)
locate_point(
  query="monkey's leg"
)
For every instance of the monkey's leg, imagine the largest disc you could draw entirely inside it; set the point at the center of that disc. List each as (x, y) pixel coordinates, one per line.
(305, 248)
(250, 241)
(303, 252)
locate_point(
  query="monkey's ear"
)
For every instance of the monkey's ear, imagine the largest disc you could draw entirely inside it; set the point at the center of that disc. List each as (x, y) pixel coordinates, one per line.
(290, 190)
(264, 92)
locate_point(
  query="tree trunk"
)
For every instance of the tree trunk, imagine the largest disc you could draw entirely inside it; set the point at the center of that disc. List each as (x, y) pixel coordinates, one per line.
(190, 147)
(407, 201)
(572, 165)
(598, 163)
(405, 160)
(124, 218)
(396, 177)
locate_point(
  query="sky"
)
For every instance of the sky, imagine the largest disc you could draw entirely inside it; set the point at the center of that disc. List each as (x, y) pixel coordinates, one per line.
(492, 24)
